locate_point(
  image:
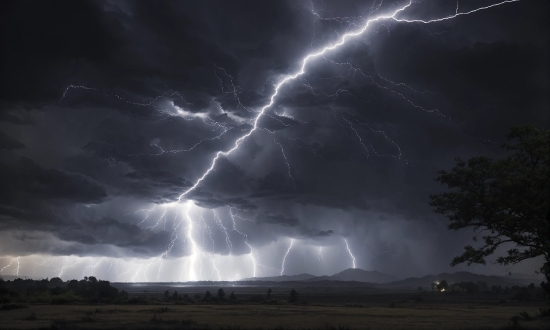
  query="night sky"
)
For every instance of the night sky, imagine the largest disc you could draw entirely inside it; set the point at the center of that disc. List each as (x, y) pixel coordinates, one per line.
(112, 115)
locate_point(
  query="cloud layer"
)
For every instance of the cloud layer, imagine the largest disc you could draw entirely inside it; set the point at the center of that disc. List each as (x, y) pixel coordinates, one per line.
(109, 111)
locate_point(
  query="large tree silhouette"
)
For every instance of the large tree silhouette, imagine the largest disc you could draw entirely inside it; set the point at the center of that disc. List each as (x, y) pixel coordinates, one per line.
(505, 201)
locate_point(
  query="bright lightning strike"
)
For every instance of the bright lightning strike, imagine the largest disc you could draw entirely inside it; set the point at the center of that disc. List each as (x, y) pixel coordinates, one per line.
(350, 254)
(302, 70)
(286, 254)
(194, 248)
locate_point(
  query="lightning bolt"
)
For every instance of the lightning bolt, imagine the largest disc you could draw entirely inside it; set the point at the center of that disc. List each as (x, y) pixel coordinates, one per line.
(192, 276)
(224, 229)
(92, 267)
(286, 254)
(62, 269)
(350, 254)
(8, 265)
(254, 263)
(286, 161)
(302, 70)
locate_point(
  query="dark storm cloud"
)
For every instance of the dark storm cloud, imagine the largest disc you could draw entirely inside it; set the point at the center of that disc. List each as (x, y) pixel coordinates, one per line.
(360, 136)
(34, 198)
(27, 180)
(280, 220)
(106, 231)
(42, 43)
(8, 143)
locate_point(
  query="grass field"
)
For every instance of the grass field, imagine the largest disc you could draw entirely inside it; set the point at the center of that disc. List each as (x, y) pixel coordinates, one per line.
(403, 316)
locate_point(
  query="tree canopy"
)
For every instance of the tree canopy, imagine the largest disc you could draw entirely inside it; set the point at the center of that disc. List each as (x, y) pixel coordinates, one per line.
(506, 201)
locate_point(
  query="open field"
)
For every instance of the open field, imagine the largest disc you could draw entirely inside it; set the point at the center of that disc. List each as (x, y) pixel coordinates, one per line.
(362, 310)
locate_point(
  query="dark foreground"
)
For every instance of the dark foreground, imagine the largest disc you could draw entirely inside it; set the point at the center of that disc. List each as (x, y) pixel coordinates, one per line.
(317, 308)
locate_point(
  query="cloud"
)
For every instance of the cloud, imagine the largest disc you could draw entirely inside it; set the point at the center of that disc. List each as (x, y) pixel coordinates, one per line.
(279, 220)
(8, 143)
(350, 149)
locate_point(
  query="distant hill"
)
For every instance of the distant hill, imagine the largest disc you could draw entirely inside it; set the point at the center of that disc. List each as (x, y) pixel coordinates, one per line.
(425, 282)
(283, 278)
(352, 274)
(360, 275)
(529, 277)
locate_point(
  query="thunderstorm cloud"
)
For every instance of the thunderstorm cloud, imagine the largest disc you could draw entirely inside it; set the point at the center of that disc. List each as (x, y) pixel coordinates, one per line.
(111, 110)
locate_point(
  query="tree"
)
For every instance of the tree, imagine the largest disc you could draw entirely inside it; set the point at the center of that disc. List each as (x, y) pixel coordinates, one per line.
(56, 280)
(506, 201)
(293, 296)
(442, 286)
(269, 293)
(207, 296)
(221, 294)
(232, 296)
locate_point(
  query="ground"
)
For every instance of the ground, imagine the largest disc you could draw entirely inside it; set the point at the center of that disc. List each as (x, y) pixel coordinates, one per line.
(318, 308)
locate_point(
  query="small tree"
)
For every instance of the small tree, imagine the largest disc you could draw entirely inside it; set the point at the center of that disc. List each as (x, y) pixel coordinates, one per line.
(175, 295)
(507, 201)
(293, 296)
(269, 293)
(221, 294)
(56, 280)
(207, 296)
(166, 294)
(442, 286)
(232, 296)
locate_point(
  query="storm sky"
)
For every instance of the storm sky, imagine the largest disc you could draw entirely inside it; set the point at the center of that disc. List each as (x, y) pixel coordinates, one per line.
(111, 111)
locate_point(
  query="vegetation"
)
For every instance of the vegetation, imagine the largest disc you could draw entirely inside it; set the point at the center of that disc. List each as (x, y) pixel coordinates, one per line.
(453, 314)
(293, 296)
(57, 292)
(473, 304)
(506, 200)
